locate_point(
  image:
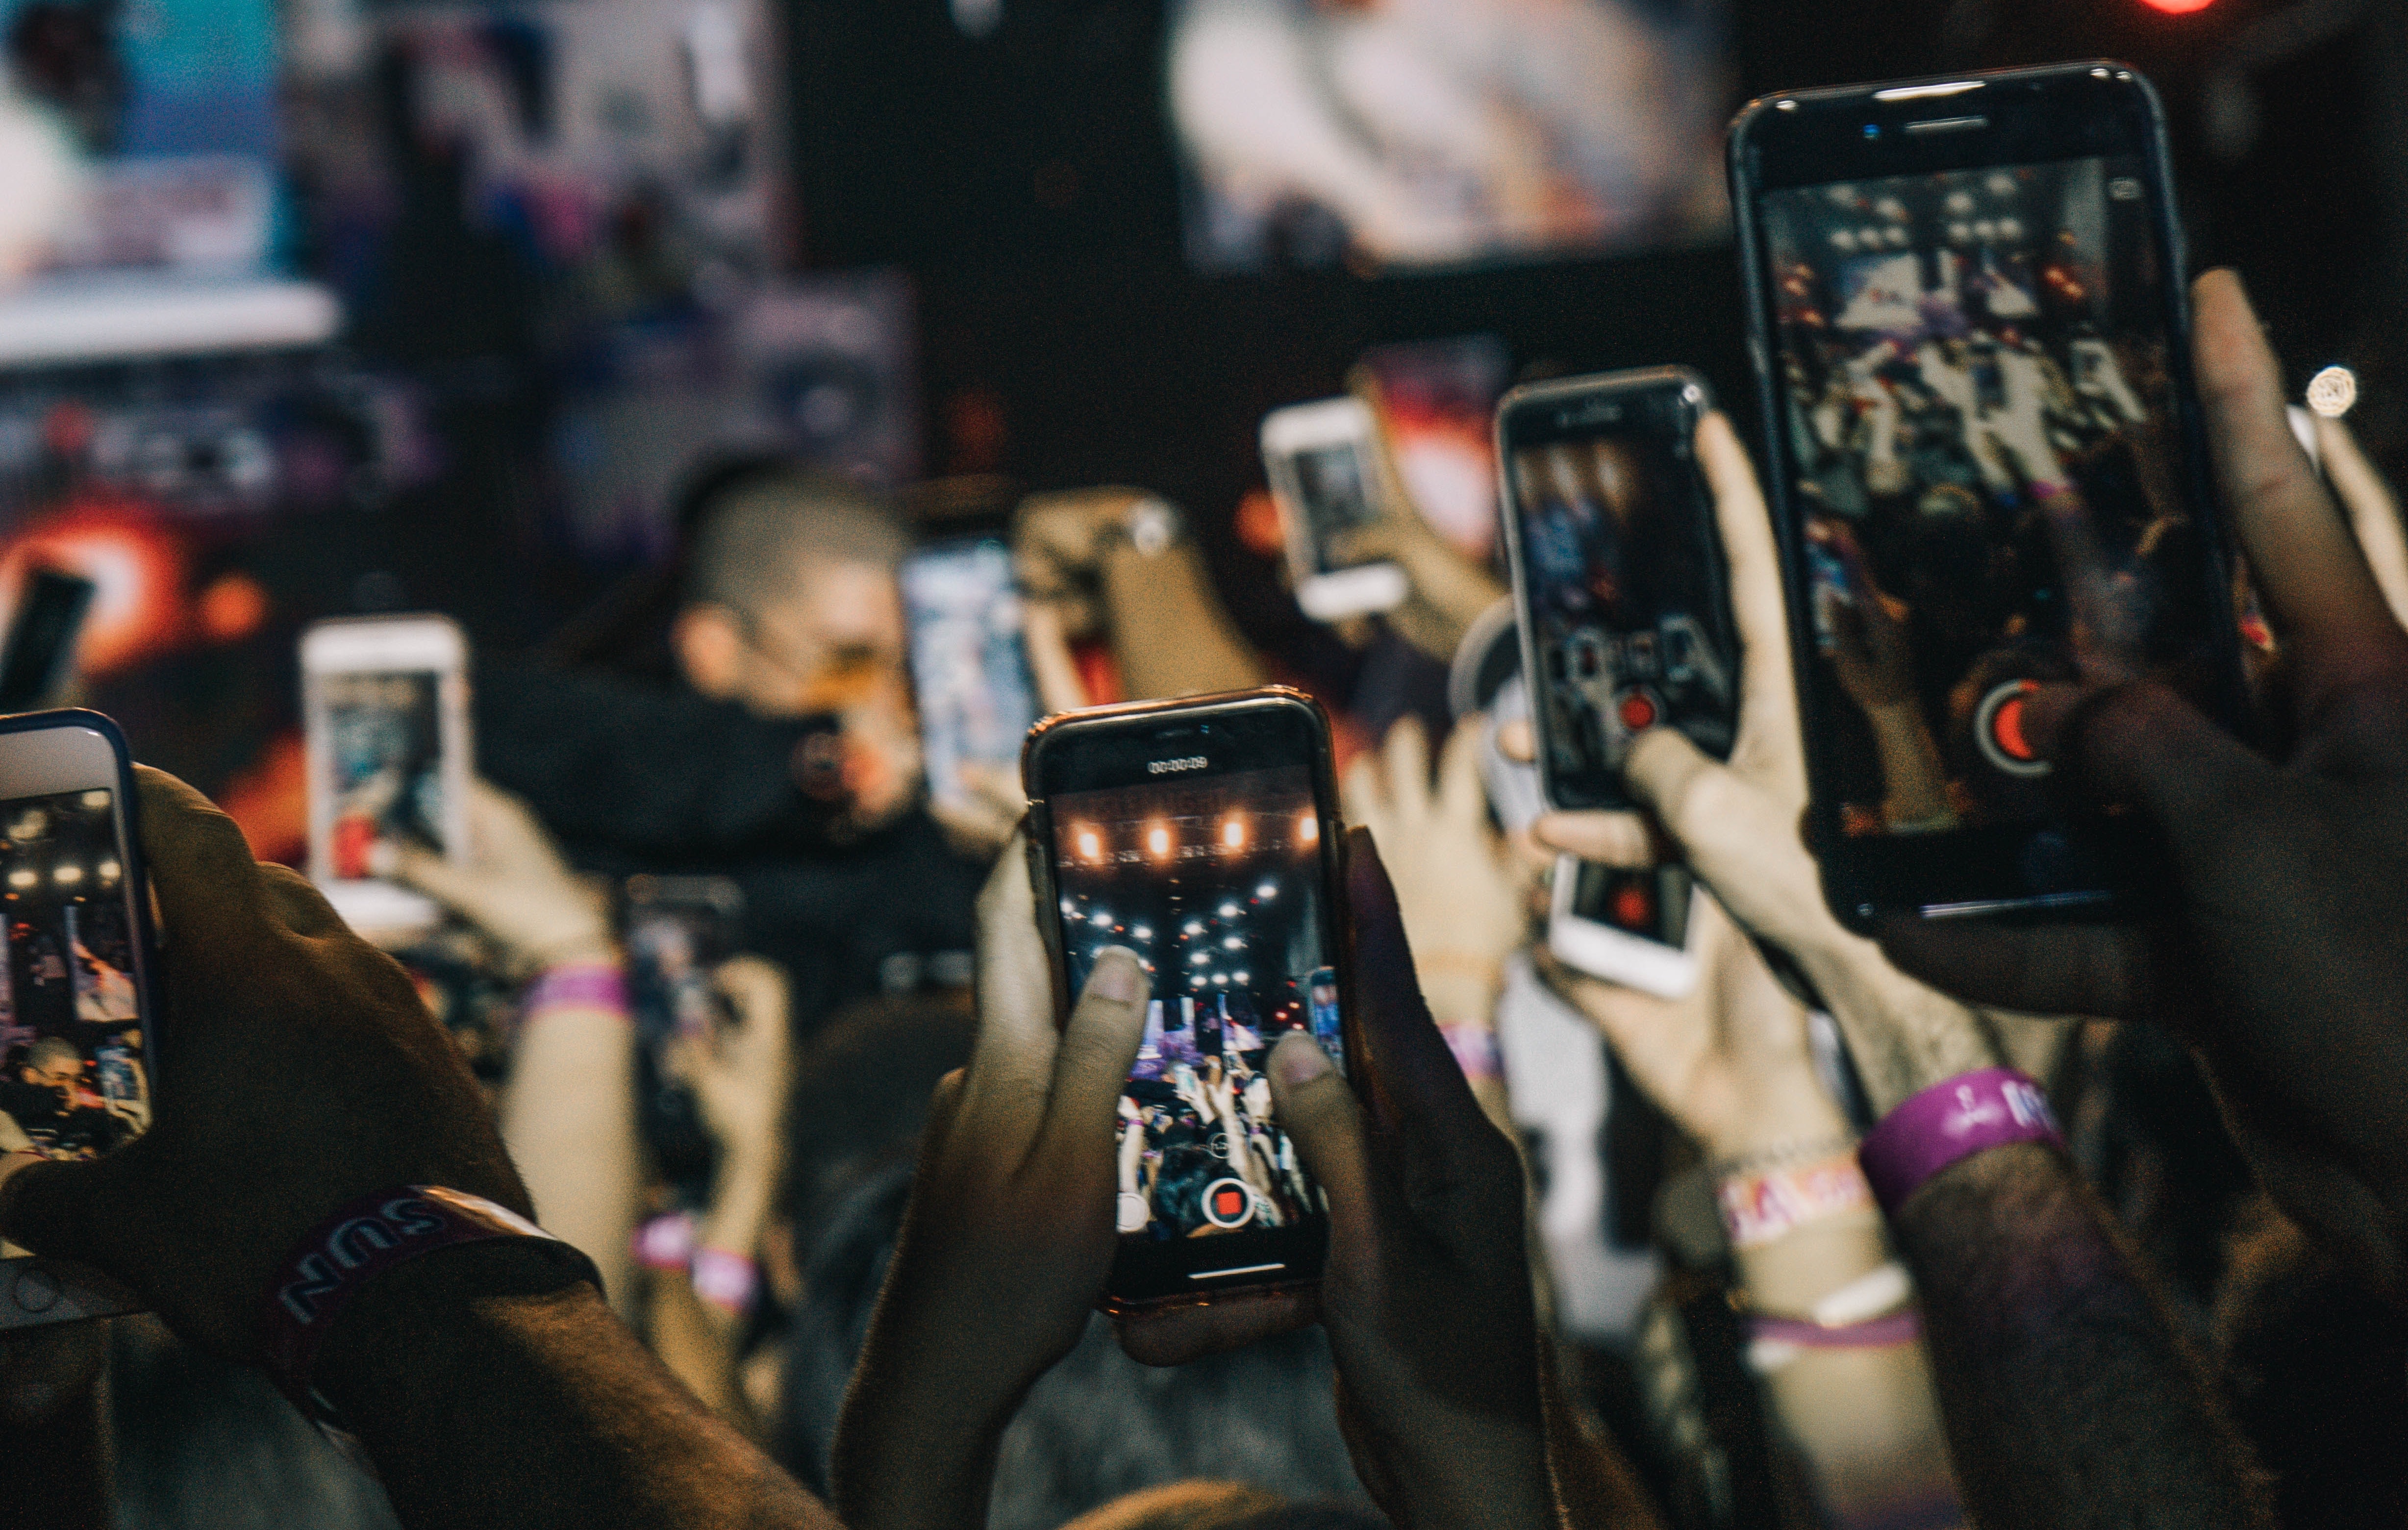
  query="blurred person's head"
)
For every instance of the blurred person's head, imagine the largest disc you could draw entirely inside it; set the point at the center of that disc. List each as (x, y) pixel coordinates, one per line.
(789, 605)
(54, 1063)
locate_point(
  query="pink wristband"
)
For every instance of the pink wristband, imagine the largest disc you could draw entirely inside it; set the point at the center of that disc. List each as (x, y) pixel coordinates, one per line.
(349, 1250)
(666, 1242)
(724, 1278)
(1761, 1208)
(578, 985)
(1871, 1334)
(1954, 1118)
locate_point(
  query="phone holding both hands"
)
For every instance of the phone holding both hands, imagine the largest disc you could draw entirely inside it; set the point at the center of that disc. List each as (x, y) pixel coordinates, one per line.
(1972, 329)
(1324, 478)
(76, 1017)
(385, 730)
(1204, 836)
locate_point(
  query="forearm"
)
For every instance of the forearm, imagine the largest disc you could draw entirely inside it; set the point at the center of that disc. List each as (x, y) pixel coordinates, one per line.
(568, 1115)
(2071, 1397)
(1903, 1037)
(1595, 1488)
(486, 1407)
(909, 1456)
(1170, 635)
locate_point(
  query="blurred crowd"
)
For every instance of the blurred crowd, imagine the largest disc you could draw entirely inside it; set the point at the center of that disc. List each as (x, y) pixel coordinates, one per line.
(1598, 1257)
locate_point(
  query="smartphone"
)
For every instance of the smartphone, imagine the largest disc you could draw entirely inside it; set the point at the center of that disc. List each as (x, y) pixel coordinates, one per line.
(1618, 578)
(1440, 397)
(1627, 926)
(76, 1016)
(1972, 333)
(39, 651)
(1204, 836)
(677, 931)
(969, 663)
(385, 729)
(1318, 457)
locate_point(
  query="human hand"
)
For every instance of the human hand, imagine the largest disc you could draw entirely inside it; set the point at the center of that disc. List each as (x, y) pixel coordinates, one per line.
(1059, 544)
(512, 885)
(2281, 959)
(1730, 1061)
(738, 1073)
(1737, 823)
(881, 754)
(1463, 902)
(46, 1371)
(981, 818)
(1010, 1235)
(302, 1072)
(1447, 591)
(1871, 653)
(1426, 1292)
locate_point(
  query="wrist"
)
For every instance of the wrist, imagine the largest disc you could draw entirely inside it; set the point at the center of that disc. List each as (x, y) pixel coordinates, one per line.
(1791, 1121)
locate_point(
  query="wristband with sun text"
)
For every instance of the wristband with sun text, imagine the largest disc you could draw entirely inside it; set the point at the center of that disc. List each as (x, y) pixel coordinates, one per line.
(1953, 1119)
(363, 1240)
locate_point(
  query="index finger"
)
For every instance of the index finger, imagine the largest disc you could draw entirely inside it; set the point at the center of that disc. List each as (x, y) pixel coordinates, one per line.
(2315, 585)
(1767, 711)
(1411, 1071)
(201, 868)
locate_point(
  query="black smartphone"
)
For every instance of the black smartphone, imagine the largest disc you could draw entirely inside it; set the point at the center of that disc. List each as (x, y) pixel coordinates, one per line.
(1618, 578)
(677, 931)
(1204, 836)
(40, 647)
(1972, 332)
(76, 1006)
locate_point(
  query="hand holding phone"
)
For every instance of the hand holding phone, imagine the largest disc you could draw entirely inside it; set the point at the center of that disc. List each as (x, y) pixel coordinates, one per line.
(1327, 483)
(385, 729)
(973, 686)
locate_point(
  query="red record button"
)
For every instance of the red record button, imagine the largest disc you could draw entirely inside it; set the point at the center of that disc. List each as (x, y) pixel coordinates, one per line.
(1638, 710)
(1999, 729)
(1633, 909)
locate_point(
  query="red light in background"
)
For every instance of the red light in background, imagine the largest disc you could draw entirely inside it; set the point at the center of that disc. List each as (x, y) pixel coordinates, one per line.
(2177, 7)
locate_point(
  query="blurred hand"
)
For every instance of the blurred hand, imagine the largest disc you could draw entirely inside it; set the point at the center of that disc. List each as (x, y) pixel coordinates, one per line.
(1737, 824)
(1730, 1062)
(45, 1371)
(1009, 1237)
(1871, 655)
(512, 885)
(1448, 590)
(2281, 959)
(981, 818)
(1462, 897)
(1058, 542)
(1426, 1294)
(882, 755)
(304, 1073)
(738, 1074)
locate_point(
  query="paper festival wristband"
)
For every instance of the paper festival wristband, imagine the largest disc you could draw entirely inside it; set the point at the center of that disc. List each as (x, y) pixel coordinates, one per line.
(365, 1238)
(1761, 1208)
(1953, 1119)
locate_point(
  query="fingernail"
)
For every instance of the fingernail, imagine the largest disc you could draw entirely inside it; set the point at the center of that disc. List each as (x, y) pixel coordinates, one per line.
(1298, 1059)
(1117, 976)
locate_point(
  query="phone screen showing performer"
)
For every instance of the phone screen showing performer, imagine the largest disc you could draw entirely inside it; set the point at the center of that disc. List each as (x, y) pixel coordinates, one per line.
(1216, 882)
(1973, 370)
(78, 1079)
(384, 758)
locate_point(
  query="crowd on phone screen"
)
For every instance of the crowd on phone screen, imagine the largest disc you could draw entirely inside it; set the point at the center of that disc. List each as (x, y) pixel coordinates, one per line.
(750, 718)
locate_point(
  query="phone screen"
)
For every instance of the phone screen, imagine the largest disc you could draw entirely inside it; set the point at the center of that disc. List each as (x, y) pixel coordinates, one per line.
(1216, 882)
(1649, 903)
(78, 1079)
(1440, 397)
(1989, 462)
(384, 753)
(969, 662)
(677, 931)
(1331, 487)
(1623, 578)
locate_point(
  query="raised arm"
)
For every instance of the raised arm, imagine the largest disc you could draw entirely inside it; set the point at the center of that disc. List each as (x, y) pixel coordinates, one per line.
(2038, 1318)
(486, 1379)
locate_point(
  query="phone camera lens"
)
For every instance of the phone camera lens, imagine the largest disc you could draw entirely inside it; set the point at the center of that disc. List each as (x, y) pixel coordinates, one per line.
(1872, 130)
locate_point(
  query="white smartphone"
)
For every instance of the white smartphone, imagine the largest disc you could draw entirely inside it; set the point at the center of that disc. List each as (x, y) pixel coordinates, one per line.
(1318, 457)
(385, 724)
(76, 1015)
(1632, 927)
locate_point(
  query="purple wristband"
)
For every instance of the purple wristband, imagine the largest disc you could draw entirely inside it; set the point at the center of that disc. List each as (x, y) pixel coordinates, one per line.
(578, 985)
(1871, 1334)
(1954, 1118)
(360, 1242)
